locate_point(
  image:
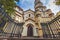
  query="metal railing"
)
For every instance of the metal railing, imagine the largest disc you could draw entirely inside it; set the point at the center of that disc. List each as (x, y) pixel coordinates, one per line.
(4, 14)
(8, 35)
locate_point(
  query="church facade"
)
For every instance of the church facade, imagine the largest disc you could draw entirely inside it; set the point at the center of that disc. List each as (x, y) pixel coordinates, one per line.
(40, 23)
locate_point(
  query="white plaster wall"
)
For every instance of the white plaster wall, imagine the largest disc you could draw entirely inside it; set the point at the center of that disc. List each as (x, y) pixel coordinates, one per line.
(24, 33)
(35, 31)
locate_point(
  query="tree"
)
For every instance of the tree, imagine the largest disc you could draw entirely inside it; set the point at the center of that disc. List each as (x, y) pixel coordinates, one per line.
(8, 5)
(57, 2)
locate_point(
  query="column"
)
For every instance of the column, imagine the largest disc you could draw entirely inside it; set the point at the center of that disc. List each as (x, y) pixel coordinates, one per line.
(40, 31)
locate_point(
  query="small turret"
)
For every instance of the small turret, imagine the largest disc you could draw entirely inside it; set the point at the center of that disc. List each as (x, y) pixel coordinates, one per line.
(39, 5)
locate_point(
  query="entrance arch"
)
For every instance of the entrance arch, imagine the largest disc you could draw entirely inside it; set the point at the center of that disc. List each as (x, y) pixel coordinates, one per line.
(30, 30)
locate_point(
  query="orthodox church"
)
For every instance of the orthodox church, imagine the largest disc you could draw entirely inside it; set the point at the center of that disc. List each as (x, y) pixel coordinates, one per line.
(39, 23)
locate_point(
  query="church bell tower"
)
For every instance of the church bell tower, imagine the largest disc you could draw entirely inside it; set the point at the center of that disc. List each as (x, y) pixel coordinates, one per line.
(39, 8)
(38, 5)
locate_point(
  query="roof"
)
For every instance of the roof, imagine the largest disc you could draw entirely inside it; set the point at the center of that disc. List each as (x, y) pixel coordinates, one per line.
(19, 8)
(29, 10)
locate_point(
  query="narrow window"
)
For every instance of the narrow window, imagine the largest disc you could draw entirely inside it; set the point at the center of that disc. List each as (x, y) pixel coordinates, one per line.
(29, 15)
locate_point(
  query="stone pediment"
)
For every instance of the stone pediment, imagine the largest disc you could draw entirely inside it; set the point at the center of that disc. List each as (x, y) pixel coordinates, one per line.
(30, 19)
(29, 10)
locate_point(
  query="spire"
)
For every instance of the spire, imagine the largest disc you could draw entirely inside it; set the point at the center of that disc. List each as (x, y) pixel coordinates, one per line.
(37, 2)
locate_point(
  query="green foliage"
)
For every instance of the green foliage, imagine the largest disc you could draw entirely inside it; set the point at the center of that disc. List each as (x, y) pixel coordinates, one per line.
(2, 18)
(57, 2)
(17, 0)
(1, 28)
(8, 5)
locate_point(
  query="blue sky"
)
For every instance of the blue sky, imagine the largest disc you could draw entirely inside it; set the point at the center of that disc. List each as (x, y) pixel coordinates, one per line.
(29, 4)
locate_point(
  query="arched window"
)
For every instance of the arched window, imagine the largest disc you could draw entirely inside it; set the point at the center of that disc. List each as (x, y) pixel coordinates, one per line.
(29, 15)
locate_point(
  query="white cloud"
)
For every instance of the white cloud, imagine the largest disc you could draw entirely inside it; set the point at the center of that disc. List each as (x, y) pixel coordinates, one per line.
(51, 5)
(29, 4)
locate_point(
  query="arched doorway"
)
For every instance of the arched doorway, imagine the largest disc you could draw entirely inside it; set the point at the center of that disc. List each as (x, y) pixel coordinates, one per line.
(30, 30)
